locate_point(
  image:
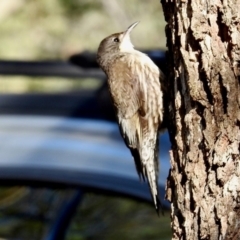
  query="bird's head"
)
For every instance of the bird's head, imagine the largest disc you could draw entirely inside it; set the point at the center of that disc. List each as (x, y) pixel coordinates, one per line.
(117, 42)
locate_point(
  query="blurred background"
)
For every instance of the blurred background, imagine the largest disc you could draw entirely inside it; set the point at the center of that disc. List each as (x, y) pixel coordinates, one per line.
(57, 29)
(41, 114)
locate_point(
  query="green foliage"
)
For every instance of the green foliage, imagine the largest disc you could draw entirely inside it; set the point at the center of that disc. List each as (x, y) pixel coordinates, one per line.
(43, 29)
(79, 7)
(56, 29)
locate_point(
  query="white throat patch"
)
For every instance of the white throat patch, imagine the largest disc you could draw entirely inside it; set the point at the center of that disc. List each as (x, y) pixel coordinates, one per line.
(126, 45)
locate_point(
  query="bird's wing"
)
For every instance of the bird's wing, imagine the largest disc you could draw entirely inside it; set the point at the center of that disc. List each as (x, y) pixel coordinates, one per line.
(137, 95)
(127, 97)
(125, 88)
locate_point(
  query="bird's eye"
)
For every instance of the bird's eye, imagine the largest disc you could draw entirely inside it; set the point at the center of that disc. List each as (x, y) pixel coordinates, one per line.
(116, 39)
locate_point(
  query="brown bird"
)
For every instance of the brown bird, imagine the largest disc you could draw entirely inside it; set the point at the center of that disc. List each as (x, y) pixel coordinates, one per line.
(134, 85)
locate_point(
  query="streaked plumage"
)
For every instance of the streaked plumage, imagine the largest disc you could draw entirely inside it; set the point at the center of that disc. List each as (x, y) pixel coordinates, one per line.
(134, 85)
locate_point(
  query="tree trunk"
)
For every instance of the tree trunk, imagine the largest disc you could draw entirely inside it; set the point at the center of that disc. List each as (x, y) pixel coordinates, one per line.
(203, 40)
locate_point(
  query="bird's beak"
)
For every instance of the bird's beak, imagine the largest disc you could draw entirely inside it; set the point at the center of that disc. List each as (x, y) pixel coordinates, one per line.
(126, 44)
(130, 28)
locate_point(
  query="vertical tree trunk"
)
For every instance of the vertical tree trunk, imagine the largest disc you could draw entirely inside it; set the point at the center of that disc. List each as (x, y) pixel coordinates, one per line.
(203, 38)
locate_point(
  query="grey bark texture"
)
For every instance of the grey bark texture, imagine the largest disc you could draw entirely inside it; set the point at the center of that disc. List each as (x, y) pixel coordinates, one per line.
(203, 40)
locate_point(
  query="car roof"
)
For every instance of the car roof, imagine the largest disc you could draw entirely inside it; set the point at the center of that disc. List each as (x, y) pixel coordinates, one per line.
(72, 152)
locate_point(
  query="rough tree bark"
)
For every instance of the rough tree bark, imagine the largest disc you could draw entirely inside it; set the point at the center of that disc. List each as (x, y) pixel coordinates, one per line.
(203, 40)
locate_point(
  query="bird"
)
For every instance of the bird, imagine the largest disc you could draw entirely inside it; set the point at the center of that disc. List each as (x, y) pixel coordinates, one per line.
(134, 83)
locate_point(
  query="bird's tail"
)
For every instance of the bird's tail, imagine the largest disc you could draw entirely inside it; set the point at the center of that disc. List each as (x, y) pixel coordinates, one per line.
(149, 156)
(153, 184)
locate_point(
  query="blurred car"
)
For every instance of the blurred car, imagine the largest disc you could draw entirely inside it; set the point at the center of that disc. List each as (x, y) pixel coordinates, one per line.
(65, 172)
(75, 156)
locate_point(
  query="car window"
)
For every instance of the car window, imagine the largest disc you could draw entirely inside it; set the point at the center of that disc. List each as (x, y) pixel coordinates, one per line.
(112, 217)
(28, 213)
(23, 84)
